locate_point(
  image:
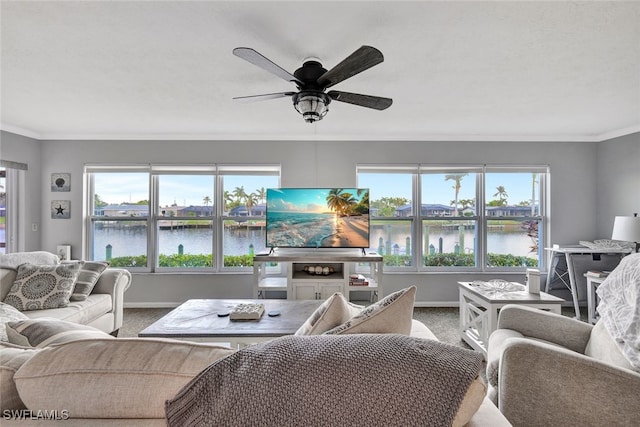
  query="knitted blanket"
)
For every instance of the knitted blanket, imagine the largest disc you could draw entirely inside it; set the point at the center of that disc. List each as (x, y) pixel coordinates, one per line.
(345, 380)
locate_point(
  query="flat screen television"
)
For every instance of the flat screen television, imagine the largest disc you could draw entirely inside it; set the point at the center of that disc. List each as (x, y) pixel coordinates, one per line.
(317, 218)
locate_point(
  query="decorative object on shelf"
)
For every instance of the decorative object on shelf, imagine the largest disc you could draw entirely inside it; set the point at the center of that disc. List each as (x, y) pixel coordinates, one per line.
(60, 182)
(60, 209)
(627, 229)
(533, 280)
(64, 252)
(248, 311)
(319, 270)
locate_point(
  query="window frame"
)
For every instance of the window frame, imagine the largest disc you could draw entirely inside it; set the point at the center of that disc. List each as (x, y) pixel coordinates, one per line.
(481, 218)
(217, 217)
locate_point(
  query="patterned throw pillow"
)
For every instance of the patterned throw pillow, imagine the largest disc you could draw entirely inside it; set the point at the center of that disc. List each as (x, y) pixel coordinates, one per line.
(391, 315)
(87, 279)
(8, 313)
(46, 331)
(331, 313)
(39, 287)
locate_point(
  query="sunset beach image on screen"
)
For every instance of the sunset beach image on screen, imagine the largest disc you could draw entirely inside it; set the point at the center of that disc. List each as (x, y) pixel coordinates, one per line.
(317, 217)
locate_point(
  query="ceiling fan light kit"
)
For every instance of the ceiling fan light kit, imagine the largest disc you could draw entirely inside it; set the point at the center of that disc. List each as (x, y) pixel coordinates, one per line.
(312, 80)
(313, 105)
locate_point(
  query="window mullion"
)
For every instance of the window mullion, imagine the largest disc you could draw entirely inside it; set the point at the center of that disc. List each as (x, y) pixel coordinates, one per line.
(152, 224)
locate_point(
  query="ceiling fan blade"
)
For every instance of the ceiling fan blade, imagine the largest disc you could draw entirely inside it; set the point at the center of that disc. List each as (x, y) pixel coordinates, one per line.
(362, 59)
(263, 62)
(265, 97)
(375, 102)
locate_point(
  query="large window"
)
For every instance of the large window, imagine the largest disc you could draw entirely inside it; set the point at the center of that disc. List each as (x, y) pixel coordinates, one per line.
(163, 218)
(450, 230)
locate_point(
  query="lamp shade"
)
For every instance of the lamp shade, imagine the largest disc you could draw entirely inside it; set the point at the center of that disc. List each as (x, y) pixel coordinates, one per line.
(626, 228)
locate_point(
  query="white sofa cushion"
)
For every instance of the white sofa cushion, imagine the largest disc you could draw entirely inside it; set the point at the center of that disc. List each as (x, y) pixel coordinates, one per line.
(12, 357)
(112, 378)
(83, 312)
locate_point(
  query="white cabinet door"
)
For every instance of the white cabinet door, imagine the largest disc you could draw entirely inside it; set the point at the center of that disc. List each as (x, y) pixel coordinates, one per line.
(305, 290)
(328, 289)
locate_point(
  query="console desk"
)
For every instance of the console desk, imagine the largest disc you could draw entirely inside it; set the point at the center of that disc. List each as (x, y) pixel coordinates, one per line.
(568, 265)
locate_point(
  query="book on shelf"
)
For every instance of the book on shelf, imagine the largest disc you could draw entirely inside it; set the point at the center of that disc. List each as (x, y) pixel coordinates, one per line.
(358, 280)
(597, 273)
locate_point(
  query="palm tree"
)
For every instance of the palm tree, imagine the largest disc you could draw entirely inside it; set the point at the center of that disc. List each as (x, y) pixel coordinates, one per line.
(340, 202)
(501, 194)
(228, 199)
(206, 201)
(239, 193)
(262, 194)
(457, 177)
(250, 200)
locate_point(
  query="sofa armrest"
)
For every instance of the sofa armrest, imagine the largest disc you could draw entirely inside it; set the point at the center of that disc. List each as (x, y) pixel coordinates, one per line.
(541, 384)
(114, 281)
(531, 322)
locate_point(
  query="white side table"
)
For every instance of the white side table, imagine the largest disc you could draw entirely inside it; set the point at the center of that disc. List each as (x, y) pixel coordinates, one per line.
(592, 298)
(479, 310)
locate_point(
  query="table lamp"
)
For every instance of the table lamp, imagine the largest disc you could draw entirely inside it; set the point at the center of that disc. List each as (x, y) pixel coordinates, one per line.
(627, 229)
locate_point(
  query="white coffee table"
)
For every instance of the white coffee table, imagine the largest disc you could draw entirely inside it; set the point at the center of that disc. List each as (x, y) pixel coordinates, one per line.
(479, 310)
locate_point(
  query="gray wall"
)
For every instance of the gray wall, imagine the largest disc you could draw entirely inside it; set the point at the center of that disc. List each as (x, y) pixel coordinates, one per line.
(582, 175)
(618, 181)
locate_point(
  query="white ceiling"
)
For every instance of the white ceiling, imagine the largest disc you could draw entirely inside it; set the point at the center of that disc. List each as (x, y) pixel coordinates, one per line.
(559, 71)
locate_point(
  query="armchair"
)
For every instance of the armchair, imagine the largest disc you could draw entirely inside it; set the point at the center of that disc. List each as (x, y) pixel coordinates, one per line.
(546, 369)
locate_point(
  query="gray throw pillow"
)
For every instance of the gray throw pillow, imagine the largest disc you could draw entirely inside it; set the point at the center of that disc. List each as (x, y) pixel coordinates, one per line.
(39, 287)
(87, 279)
(45, 331)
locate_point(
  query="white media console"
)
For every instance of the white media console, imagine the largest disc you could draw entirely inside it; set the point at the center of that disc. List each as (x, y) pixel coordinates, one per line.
(295, 273)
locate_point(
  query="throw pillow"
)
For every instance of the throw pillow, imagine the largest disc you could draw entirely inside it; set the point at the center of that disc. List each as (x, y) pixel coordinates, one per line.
(8, 313)
(390, 315)
(87, 279)
(116, 378)
(45, 331)
(333, 312)
(39, 287)
(16, 259)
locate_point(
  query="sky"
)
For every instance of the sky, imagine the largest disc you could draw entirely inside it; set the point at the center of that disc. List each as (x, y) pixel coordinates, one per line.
(435, 190)
(303, 199)
(115, 188)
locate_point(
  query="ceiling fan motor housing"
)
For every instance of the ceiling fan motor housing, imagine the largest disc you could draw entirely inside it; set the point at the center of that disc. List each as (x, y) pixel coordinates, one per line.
(309, 74)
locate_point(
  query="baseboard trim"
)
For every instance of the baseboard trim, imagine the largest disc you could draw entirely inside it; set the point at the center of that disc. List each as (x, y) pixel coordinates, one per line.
(445, 304)
(151, 304)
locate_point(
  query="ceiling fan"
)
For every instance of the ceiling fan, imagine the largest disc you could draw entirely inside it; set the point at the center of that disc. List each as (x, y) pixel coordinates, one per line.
(312, 81)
